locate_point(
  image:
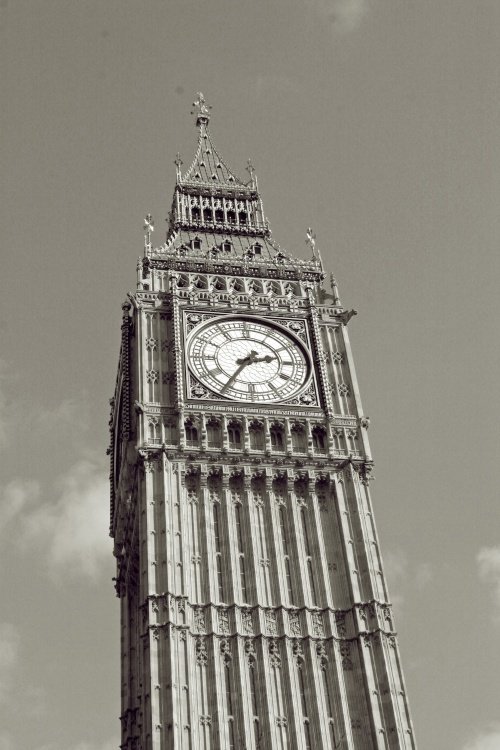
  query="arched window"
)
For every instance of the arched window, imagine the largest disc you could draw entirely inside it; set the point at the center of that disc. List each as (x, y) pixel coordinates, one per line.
(242, 217)
(207, 214)
(195, 213)
(257, 442)
(234, 434)
(217, 283)
(319, 439)
(277, 437)
(219, 215)
(255, 286)
(231, 217)
(213, 433)
(200, 282)
(236, 285)
(191, 433)
(299, 442)
(170, 429)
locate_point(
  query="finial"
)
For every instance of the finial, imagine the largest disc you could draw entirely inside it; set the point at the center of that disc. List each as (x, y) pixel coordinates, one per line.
(251, 171)
(335, 290)
(178, 162)
(149, 226)
(202, 110)
(311, 240)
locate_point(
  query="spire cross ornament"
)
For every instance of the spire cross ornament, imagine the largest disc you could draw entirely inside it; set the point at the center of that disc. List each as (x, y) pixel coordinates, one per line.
(250, 168)
(202, 110)
(149, 226)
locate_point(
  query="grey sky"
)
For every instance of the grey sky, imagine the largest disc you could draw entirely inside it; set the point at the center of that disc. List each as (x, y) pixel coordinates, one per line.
(373, 121)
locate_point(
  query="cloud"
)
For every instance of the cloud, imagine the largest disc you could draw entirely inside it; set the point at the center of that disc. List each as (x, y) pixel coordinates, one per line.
(70, 524)
(9, 650)
(68, 412)
(488, 563)
(344, 15)
(73, 526)
(401, 575)
(18, 496)
(488, 740)
(423, 575)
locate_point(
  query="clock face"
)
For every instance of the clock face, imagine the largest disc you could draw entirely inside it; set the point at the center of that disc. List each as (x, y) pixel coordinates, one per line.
(248, 361)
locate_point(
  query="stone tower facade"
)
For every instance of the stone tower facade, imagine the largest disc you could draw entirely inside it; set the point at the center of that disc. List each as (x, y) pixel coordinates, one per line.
(254, 610)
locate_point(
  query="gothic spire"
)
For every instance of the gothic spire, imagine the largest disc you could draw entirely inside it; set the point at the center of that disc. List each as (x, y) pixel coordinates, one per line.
(208, 166)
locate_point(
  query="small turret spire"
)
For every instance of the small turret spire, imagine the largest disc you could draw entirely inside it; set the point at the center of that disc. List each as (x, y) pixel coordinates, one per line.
(201, 110)
(149, 227)
(311, 241)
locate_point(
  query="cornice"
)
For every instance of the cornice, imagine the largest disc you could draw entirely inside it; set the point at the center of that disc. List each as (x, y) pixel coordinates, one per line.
(361, 621)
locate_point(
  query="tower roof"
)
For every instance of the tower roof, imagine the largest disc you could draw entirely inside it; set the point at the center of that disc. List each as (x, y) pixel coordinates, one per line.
(215, 214)
(208, 166)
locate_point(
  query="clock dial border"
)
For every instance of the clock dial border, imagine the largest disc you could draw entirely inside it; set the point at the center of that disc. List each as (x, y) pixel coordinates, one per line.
(215, 390)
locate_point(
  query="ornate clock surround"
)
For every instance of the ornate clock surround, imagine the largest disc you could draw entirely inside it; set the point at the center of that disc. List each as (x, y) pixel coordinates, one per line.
(296, 328)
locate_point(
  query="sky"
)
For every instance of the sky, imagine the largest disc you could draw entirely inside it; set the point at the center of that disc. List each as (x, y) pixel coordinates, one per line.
(375, 122)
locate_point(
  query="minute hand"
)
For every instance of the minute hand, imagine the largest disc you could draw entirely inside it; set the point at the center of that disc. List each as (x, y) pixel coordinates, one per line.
(235, 375)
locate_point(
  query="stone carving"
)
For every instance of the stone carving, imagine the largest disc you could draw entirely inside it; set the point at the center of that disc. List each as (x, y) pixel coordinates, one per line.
(223, 618)
(297, 652)
(151, 344)
(192, 497)
(317, 625)
(322, 655)
(201, 652)
(155, 632)
(205, 720)
(274, 654)
(152, 376)
(271, 626)
(199, 620)
(294, 620)
(250, 651)
(343, 389)
(345, 653)
(340, 623)
(281, 721)
(337, 357)
(246, 621)
(225, 650)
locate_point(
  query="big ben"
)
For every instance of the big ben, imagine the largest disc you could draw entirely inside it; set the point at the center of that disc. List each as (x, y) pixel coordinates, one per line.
(254, 608)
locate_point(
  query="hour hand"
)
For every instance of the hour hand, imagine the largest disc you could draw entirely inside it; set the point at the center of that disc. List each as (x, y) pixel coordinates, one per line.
(267, 358)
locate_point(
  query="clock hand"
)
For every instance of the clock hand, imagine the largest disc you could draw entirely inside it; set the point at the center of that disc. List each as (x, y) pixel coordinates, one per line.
(267, 358)
(243, 364)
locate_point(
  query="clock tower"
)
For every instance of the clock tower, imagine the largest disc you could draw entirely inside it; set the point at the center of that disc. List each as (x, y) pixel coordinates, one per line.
(254, 609)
